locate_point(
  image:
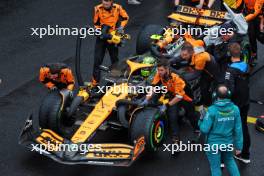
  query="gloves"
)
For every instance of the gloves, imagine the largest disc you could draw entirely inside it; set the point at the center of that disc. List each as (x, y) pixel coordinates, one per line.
(163, 108)
(202, 113)
(144, 103)
(106, 37)
(120, 30)
(71, 94)
(105, 33)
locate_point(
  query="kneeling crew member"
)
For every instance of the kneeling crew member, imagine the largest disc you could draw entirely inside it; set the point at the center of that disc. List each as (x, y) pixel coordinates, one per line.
(57, 76)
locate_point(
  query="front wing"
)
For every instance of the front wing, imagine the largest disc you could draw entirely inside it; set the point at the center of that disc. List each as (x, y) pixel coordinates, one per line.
(50, 144)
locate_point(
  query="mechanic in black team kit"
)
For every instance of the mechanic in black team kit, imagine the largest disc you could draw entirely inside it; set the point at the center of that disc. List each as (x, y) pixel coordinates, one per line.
(237, 79)
(108, 17)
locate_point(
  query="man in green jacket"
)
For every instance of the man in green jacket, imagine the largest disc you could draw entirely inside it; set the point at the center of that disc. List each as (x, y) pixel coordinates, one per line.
(223, 130)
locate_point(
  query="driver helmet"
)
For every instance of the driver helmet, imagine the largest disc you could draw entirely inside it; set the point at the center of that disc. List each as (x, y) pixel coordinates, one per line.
(145, 72)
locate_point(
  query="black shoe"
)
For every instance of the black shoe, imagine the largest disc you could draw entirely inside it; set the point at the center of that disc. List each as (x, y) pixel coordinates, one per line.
(176, 141)
(245, 160)
(196, 138)
(253, 61)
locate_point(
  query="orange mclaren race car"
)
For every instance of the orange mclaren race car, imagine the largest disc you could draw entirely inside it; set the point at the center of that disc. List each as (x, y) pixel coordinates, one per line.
(66, 126)
(191, 24)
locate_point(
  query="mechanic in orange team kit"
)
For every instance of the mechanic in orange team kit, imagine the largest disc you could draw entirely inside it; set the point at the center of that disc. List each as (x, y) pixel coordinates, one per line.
(201, 62)
(177, 97)
(253, 10)
(108, 16)
(57, 76)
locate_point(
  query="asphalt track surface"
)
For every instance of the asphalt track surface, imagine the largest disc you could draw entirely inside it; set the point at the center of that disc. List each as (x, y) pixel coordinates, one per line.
(21, 55)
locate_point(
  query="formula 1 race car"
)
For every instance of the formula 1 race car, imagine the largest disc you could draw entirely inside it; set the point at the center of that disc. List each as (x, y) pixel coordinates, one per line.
(167, 41)
(74, 121)
(116, 107)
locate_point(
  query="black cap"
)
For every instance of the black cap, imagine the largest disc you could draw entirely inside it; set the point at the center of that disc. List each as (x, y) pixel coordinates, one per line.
(56, 67)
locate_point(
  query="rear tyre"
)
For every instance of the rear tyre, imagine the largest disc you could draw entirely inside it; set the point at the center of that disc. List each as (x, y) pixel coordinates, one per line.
(150, 124)
(143, 39)
(50, 111)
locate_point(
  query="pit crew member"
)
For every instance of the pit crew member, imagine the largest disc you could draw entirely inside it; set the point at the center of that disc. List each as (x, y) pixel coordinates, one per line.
(237, 79)
(108, 16)
(56, 76)
(204, 63)
(177, 97)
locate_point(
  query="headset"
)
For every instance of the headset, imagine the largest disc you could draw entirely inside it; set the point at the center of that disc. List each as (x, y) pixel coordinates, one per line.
(217, 94)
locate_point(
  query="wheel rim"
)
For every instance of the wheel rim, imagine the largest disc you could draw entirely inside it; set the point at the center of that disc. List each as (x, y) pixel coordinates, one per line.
(157, 133)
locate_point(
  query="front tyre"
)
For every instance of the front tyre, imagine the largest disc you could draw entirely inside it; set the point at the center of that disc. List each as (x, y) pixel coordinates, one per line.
(150, 124)
(51, 111)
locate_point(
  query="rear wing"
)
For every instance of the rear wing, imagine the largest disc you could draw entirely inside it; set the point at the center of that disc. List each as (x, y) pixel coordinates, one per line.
(207, 17)
(203, 17)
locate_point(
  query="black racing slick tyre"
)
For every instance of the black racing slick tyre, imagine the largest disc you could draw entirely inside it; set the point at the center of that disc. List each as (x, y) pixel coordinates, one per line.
(143, 39)
(151, 125)
(50, 111)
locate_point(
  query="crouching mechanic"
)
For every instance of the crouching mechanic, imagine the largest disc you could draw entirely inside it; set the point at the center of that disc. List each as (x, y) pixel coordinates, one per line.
(176, 94)
(57, 76)
(108, 17)
(202, 62)
(223, 130)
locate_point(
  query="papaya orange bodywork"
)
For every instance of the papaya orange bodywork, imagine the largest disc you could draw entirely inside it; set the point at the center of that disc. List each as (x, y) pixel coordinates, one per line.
(100, 113)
